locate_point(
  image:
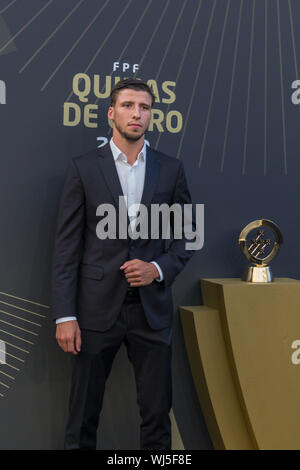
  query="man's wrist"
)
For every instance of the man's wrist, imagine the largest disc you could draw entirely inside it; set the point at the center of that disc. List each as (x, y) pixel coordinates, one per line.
(156, 274)
(160, 276)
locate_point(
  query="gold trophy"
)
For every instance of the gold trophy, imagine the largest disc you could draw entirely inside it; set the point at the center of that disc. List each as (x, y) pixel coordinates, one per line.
(259, 250)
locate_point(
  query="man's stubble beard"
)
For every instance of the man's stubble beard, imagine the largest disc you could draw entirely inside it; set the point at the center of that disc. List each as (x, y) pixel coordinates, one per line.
(130, 138)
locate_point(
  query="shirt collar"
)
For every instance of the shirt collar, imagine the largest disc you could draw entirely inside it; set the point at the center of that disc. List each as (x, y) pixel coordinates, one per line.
(117, 153)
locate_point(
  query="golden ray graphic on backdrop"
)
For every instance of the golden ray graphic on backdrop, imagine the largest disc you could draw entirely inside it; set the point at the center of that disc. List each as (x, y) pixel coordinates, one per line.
(275, 15)
(19, 331)
(5, 37)
(20, 323)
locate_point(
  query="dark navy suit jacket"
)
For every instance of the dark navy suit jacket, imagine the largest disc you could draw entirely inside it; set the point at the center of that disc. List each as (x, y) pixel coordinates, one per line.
(86, 278)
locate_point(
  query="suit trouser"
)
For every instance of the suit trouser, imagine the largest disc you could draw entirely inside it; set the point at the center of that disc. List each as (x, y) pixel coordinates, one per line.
(149, 351)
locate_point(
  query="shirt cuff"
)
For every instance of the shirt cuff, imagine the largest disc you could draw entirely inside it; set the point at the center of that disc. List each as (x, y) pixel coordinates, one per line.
(63, 319)
(161, 276)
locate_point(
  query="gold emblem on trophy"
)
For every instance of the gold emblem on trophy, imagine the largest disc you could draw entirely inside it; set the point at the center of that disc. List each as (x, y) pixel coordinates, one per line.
(260, 249)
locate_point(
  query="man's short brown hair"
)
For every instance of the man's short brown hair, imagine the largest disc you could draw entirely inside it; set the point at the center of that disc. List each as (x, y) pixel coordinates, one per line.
(132, 84)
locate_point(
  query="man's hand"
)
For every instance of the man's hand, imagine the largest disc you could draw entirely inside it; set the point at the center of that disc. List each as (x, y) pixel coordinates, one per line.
(139, 273)
(68, 336)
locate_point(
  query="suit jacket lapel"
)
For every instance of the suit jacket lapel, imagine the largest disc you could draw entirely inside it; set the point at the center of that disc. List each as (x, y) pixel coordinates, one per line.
(151, 177)
(109, 171)
(151, 180)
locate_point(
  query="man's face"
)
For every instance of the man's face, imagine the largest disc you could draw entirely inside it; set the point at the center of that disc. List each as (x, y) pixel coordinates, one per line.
(131, 114)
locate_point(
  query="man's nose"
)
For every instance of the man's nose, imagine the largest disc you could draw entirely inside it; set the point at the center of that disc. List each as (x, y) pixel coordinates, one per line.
(136, 112)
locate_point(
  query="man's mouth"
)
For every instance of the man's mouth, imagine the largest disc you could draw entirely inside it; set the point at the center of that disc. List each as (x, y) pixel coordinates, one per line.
(135, 125)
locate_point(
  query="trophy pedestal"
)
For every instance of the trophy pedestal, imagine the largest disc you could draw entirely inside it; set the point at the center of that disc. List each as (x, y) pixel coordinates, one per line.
(243, 347)
(257, 274)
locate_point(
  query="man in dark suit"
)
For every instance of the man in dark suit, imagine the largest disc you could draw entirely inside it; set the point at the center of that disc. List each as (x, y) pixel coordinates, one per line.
(115, 289)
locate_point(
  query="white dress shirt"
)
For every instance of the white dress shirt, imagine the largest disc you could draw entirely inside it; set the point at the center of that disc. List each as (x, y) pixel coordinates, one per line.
(132, 179)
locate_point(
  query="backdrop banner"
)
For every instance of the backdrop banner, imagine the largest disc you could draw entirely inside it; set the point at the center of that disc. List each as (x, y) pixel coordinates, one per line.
(226, 78)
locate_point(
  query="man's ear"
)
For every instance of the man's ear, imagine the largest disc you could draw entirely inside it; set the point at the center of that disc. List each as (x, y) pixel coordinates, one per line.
(110, 113)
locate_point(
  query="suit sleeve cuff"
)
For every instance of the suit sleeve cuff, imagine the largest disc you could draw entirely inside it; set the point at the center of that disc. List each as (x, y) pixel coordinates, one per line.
(63, 319)
(161, 276)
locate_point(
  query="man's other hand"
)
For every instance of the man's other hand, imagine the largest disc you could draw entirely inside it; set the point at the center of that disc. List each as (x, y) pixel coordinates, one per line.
(139, 273)
(68, 336)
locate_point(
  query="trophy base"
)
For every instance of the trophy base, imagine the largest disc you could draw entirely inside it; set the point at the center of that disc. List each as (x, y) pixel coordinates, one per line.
(257, 274)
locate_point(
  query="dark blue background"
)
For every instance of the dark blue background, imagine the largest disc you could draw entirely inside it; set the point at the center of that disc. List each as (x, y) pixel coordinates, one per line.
(233, 88)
